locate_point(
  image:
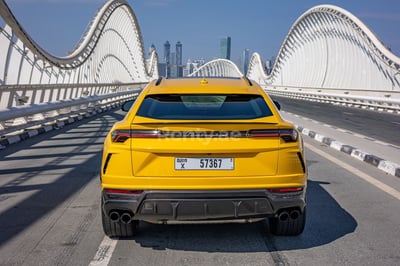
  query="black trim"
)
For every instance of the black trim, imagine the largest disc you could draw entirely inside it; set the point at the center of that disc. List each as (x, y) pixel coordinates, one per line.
(106, 162)
(303, 165)
(248, 80)
(159, 81)
(196, 205)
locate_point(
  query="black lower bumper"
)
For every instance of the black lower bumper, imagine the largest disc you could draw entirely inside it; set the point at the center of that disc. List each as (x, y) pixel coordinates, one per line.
(156, 205)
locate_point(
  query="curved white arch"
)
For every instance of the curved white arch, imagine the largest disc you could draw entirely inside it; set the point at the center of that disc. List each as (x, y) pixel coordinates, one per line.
(111, 51)
(328, 47)
(255, 69)
(218, 68)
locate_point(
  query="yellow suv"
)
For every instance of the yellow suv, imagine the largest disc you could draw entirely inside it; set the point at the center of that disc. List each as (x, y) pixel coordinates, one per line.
(203, 149)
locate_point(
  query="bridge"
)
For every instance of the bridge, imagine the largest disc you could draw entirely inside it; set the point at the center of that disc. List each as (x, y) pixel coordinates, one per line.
(328, 55)
(37, 87)
(328, 61)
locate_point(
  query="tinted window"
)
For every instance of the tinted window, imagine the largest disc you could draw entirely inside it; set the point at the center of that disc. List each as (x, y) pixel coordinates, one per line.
(204, 107)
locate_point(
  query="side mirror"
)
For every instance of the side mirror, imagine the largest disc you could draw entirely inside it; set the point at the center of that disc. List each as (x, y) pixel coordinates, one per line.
(278, 105)
(127, 105)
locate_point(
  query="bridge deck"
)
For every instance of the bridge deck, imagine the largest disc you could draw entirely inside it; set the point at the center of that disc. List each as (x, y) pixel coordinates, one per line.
(361, 147)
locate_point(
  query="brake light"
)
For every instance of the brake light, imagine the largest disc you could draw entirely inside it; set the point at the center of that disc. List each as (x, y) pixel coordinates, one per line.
(122, 135)
(146, 134)
(288, 135)
(264, 133)
(285, 190)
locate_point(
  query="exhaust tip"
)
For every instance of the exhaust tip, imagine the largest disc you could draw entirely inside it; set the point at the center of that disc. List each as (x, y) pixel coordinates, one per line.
(114, 216)
(126, 218)
(283, 216)
(295, 214)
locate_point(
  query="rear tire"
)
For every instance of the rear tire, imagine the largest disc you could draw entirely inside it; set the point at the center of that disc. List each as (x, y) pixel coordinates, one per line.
(117, 229)
(288, 226)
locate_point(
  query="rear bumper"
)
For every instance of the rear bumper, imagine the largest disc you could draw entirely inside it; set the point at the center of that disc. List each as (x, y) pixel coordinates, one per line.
(173, 205)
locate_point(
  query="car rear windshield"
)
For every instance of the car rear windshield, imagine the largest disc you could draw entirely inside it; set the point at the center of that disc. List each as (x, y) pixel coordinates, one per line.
(204, 107)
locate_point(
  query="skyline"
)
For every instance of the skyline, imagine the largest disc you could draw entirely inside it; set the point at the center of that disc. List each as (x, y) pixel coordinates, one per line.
(257, 25)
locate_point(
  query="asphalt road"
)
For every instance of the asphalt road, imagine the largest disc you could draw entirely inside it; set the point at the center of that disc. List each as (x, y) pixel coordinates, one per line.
(378, 125)
(50, 215)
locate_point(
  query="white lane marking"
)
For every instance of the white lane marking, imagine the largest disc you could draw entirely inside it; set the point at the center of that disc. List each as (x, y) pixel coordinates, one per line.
(389, 190)
(104, 252)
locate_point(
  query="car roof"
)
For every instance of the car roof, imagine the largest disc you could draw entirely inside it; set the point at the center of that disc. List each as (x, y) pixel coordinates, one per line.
(204, 85)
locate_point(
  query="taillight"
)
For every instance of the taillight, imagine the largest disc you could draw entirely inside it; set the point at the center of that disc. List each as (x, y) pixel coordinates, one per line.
(264, 133)
(288, 135)
(285, 190)
(146, 134)
(122, 135)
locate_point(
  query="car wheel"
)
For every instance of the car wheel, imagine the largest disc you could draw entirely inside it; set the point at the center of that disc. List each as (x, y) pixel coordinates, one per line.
(118, 228)
(288, 223)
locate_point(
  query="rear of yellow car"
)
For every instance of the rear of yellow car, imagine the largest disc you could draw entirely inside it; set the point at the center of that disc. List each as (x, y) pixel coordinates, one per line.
(203, 149)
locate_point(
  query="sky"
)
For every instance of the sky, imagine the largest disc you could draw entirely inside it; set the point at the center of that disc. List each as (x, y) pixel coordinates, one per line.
(257, 25)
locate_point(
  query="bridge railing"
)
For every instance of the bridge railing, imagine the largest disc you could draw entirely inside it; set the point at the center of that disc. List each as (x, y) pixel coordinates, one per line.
(30, 113)
(17, 95)
(388, 101)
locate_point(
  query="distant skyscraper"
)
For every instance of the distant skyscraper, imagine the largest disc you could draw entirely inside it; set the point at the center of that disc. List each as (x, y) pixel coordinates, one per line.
(225, 47)
(167, 50)
(164, 67)
(171, 65)
(173, 58)
(269, 64)
(245, 60)
(192, 65)
(179, 53)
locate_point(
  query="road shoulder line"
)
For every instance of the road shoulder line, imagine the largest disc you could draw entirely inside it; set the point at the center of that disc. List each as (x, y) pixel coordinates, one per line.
(387, 189)
(104, 252)
(387, 166)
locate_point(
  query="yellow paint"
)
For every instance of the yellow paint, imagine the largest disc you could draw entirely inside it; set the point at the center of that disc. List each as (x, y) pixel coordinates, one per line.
(148, 163)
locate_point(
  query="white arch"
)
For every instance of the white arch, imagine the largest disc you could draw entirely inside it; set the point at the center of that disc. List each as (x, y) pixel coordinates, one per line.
(111, 51)
(218, 68)
(328, 47)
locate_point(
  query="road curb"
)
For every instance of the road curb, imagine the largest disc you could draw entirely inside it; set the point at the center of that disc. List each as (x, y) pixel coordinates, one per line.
(380, 163)
(29, 133)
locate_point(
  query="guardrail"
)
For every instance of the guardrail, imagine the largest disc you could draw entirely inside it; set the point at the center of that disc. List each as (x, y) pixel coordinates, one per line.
(24, 117)
(15, 119)
(16, 95)
(385, 101)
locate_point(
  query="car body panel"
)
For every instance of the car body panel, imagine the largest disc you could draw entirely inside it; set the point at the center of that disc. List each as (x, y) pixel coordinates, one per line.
(147, 164)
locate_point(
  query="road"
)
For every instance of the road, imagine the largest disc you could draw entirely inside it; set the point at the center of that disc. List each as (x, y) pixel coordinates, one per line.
(379, 125)
(50, 215)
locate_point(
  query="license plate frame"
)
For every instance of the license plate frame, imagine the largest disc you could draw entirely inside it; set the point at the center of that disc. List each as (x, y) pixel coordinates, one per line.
(204, 163)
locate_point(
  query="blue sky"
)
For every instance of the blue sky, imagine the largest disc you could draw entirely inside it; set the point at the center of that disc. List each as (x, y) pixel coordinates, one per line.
(258, 25)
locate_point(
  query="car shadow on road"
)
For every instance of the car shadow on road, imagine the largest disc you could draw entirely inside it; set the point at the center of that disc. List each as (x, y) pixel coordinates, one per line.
(327, 221)
(60, 177)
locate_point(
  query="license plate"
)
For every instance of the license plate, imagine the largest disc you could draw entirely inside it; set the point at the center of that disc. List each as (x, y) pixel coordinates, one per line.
(204, 163)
